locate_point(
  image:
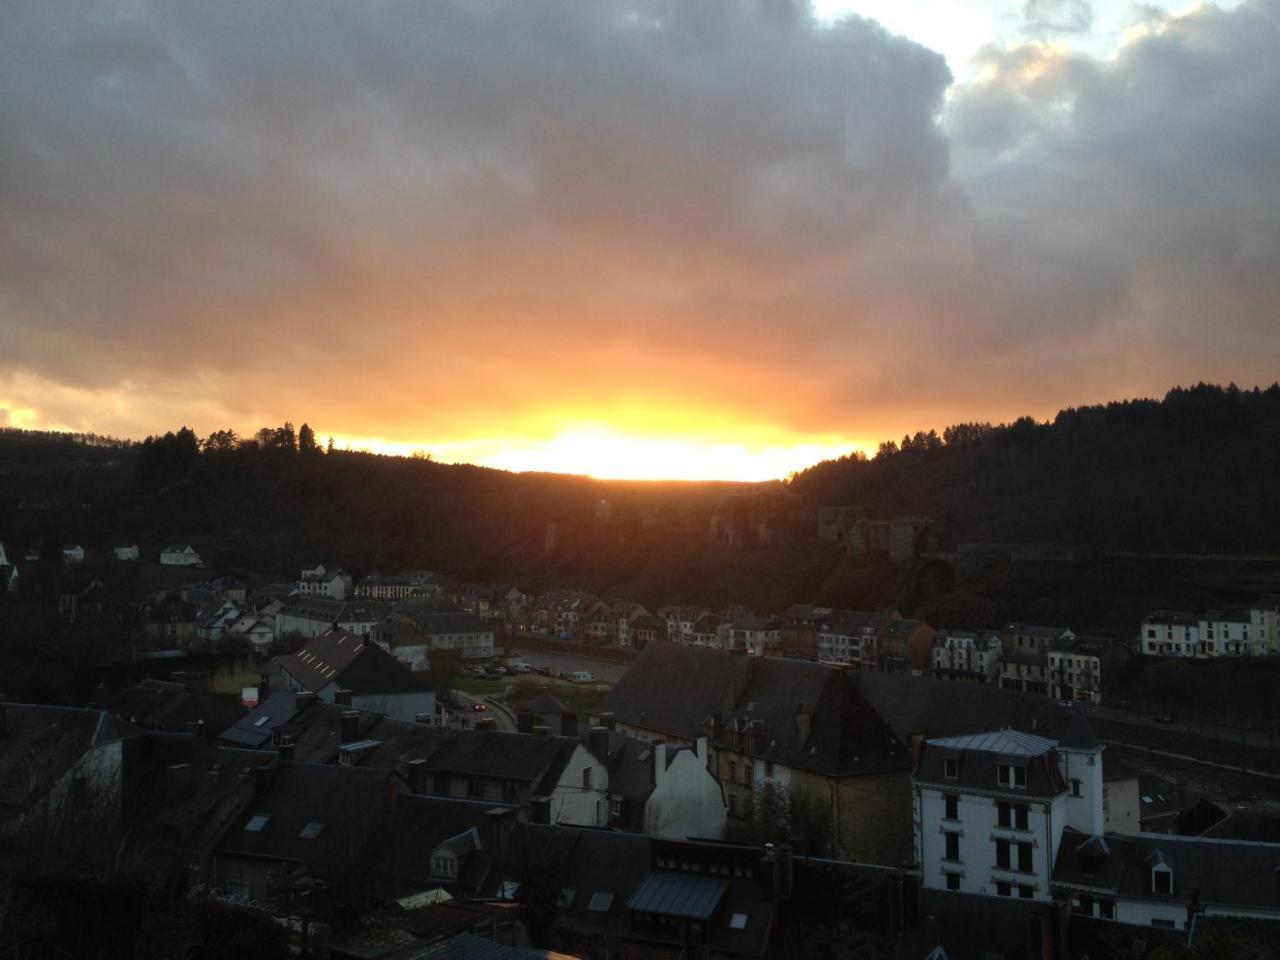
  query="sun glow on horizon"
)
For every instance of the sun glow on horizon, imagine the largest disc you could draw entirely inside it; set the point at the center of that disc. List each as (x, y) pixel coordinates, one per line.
(604, 453)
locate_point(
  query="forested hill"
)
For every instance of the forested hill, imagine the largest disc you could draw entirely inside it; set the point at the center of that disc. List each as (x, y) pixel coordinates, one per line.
(1197, 471)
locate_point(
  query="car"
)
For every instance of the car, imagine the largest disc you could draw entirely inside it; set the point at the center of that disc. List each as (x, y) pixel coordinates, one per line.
(523, 667)
(542, 671)
(478, 707)
(583, 676)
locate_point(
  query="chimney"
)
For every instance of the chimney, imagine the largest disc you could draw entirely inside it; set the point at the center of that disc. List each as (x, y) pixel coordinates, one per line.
(540, 810)
(541, 730)
(497, 837)
(285, 750)
(524, 722)
(350, 726)
(599, 743)
(608, 720)
(196, 728)
(304, 699)
(264, 688)
(342, 697)
(262, 776)
(803, 721)
(700, 748)
(659, 762)
(418, 777)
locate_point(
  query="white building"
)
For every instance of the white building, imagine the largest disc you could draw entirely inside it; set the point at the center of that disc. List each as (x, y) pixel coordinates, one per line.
(319, 581)
(180, 555)
(1075, 670)
(130, 552)
(73, 553)
(990, 808)
(316, 615)
(1218, 633)
(967, 655)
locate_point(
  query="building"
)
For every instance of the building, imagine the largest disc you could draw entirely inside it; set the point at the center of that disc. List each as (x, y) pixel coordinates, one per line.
(412, 632)
(321, 581)
(130, 552)
(800, 627)
(711, 631)
(1025, 669)
(679, 621)
(399, 587)
(1075, 669)
(312, 616)
(1218, 633)
(900, 539)
(73, 553)
(851, 637)
(1166, 881)
(1027, 636)
(757, 635)
(967, 655)
(991, 808)
(340, 667)
(180, 555)
(775, 724)
(906, 646)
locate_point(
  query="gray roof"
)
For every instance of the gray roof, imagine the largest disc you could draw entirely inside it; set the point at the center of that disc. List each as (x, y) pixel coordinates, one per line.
(1009, 742)
(979, 755)
(1225, 873)
(318, 663)
(675, 894)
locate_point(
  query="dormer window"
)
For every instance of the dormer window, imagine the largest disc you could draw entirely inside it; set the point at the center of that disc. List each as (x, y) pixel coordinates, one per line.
(444, 866)
(951, 768)
(1161, 880)
(1011, 775)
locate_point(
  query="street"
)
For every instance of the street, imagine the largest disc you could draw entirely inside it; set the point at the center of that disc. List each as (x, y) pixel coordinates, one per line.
(608, 671)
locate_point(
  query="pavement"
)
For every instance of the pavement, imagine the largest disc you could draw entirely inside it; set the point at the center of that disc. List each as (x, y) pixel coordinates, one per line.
(608, 671)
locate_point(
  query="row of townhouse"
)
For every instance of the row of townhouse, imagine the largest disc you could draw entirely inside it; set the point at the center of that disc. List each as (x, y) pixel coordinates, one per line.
(1253, 632)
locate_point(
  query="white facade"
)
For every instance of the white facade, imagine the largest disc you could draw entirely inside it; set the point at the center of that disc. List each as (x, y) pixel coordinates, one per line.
(581, 794)
(319, 582)
(126, 553)
(1216, 634)
(1075, 675)
(964, 655)
(73, 554)
(179, 556)
(686, 800)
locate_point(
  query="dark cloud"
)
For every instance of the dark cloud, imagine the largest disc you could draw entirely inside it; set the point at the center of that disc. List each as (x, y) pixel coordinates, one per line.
(461, 218)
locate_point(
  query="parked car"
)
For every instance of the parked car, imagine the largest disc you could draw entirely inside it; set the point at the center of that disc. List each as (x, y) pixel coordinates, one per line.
(543, 671)
(583, 676)
(478, 707)
(524, 667)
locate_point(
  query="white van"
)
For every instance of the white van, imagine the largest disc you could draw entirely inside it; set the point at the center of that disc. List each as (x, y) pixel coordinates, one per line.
(583, 676)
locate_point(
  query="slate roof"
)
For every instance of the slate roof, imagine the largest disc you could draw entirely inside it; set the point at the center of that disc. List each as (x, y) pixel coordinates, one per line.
(939, 708)
(467, 946)
(544, 703)
(348, 802)
(672, 688)
(980, 754)
(630, 762)
(674, 894)
(374, 671)
(318, 664)
(1225, 873)
(40, 744)
(255, 728)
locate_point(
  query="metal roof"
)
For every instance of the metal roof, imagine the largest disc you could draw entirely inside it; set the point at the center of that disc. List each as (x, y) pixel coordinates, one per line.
(1010, 743)
(678, 895)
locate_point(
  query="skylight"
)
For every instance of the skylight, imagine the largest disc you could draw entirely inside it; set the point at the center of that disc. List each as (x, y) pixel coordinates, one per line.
(601, 901)
(257, 823)
(311, 830)
(738, 921)
(261, 720)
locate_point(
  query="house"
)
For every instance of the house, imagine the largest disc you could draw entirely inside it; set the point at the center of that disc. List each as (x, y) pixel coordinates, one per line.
(173, 705)
(213, 620)
(756, 635)
(312, 616)
(546, 711)
(1075, 669)
(800, 623)
(1166, 881)
(340, 667)
(416, 628)
(258, 629)
(321, 581)
(991, 808)
(1026, 636)
(906, 646)
(305, 826)
(73, 553)
(180, 555)
(777, 724)
(967, 655)
(711, 631)
(661, 790)
(130, 552)
(1025, 669)
(1121, 804)
(1264, 620)
(1218, 633)
(678, 622)
(853, 637)
(486, 765)
(58, 760)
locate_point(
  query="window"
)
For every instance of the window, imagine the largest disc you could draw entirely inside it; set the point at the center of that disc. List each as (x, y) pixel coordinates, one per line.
(1021, 811)
(733, 805)
(733, 770)
(258, 823)
(953, 846)
(444, 866)
(953, 881)
(1075, 787)
(1025, 892)
(311, 830)
(586, 778)
(738, 921)
(1002, 814)
(1003, 889)
(951, 768)
(953, 806)
(1084, 905)
(1002, 854)
(615, 807)
(1024, 857)
(1162, 880)
(1107, 909)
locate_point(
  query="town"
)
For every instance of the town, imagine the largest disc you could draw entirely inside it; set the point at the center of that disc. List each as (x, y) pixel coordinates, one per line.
(402, 765)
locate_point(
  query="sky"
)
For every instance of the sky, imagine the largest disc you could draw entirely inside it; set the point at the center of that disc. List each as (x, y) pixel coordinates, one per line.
(659, 239)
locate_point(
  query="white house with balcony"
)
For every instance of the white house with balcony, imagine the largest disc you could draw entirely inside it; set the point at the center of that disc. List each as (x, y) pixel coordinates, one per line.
(967, 655)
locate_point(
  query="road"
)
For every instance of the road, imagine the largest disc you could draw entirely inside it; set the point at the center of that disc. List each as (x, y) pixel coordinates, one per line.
(609, 671)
